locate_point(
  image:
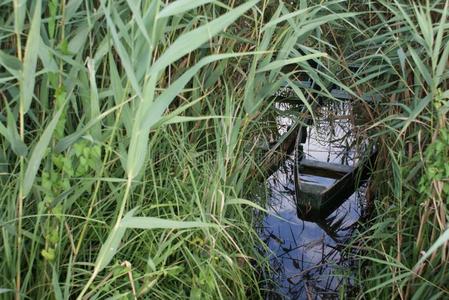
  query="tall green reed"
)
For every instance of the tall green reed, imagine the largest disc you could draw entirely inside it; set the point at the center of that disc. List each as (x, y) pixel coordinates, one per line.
(402, 50)
(126, 131)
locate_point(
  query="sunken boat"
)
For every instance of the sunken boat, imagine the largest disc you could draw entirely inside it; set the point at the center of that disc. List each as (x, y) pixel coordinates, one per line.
(322, 185)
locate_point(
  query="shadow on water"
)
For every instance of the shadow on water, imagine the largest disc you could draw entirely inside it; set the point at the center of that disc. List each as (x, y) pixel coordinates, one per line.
(307, 259)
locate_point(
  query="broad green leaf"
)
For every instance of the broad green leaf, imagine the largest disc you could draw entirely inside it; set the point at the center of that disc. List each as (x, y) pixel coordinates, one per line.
(153, 114)
(425, 25)
(55, 284)
(104, 46)
(316, 23)
(67, 141)
(110, 246)
(116, 83)
(3, 290)
(442, 65)
(94, 101)
(119, 93)
(280, 63)
(420, 106)
(156, 109)
(71, 8)
(38, 153)
(442, 240)
(19, 15)
(441, 29)
(134, 5)
(179, 111)
(124, 57)
(6, 79)
(190, 41)
(17, 145)
(246, 202)
(250, 101)
(46, 58)
(182, 119)
(422, 67)
(78, 42)
(4, 132)
(10, 63)
(30, 60)
(445, 95)
(285, 17)
(158, 223)
(180, 6)
(402, 59)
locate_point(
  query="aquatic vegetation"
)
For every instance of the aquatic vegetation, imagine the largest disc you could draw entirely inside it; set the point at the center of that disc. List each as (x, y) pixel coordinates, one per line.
(130, 133)
(126, 151)
(405, 59)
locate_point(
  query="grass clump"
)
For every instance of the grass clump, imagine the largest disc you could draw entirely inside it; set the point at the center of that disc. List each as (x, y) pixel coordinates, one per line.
(127, 135)
(117, 168)
(404, 55)
(128, 132)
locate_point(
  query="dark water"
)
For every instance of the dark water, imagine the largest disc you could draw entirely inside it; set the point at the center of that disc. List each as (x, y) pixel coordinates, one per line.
(307, 258)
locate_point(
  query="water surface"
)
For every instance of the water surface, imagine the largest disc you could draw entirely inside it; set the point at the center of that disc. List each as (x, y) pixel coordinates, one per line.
(307, 256)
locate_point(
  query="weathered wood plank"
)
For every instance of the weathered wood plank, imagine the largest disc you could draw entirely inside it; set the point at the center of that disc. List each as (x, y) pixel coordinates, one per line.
(329, 199)
(311, 195)
(324, 169)
(312, 188)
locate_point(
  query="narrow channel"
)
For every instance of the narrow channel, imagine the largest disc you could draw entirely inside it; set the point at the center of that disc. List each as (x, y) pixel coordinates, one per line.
(307, 255)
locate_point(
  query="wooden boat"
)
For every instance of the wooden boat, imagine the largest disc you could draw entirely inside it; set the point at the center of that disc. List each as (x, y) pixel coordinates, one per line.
(313, 200)
(318, 201)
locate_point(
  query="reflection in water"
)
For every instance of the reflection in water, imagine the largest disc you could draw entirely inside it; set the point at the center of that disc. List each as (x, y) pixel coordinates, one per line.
(334, 137)
(307, 257)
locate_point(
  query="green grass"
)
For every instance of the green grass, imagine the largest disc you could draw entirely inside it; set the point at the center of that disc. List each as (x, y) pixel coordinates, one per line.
(403, 50)
(127, 133)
